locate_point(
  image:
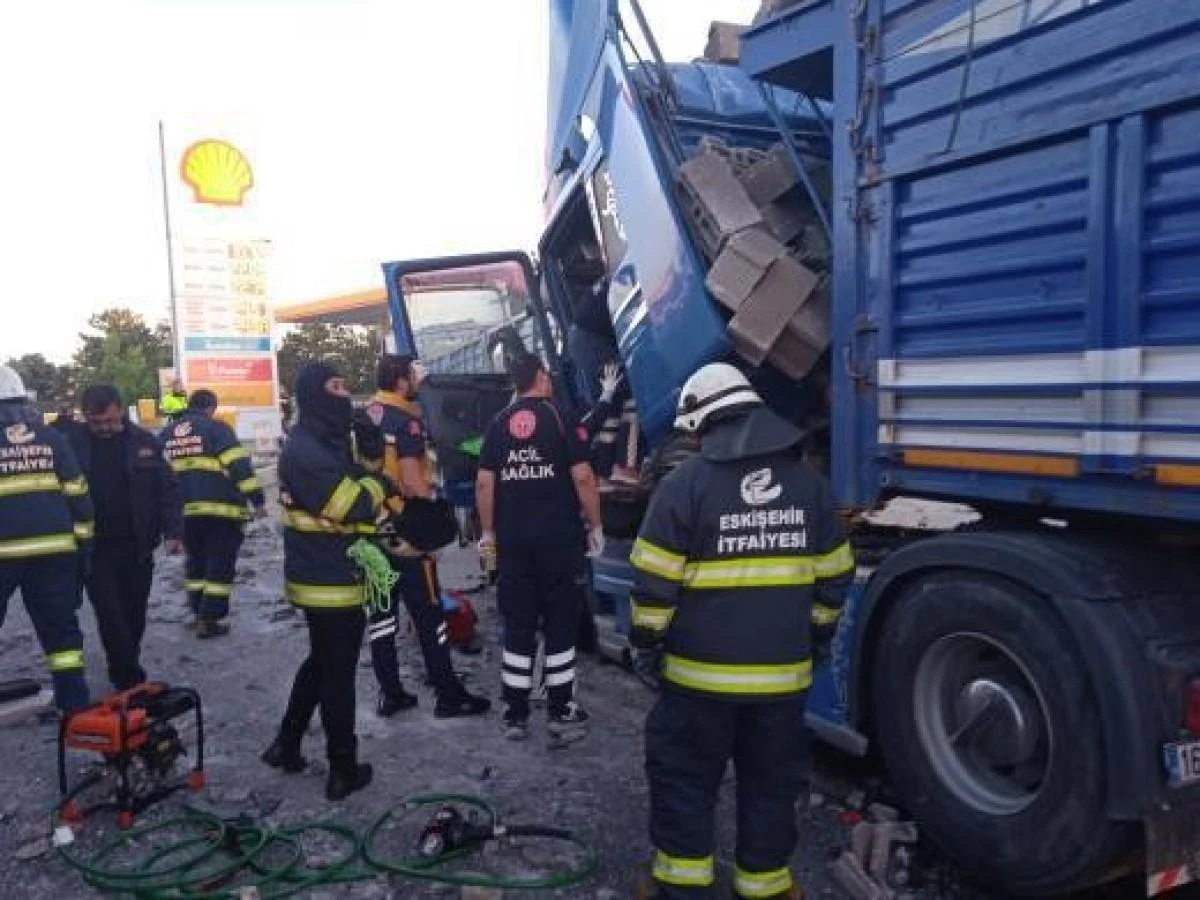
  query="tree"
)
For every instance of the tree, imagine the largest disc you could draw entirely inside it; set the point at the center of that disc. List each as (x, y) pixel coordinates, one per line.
(123, 351)
(353, 350)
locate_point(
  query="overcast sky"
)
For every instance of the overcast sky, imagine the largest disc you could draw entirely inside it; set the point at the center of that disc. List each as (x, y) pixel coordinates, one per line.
(382, 129)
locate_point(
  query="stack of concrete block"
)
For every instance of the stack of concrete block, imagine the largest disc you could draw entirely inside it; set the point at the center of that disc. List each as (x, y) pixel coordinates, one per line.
(724, 40)
(760, 246)
(771, 7)
(876, 867)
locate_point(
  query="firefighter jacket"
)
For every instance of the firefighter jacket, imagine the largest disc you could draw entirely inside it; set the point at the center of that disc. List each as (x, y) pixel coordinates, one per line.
(328, 502)
(155, 497)
(215, 470)
(44, 503)
(740, 556)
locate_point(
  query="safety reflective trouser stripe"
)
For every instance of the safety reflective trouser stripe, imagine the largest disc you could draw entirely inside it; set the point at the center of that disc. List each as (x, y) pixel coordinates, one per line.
(683, 872)
(656, 560)
(195, 464)
(785, 678)
(325, 596)
(209, 508)
(303, 522)
(249, 485)
(836, 562)
(518, 671)
(375, 489)
(344, 496)
(85, 531)
(559, 668)
(64, 660)
(195, 586)
(755, 571)
(30, 484)
(76, 487)
(38, 546)
(232, 455)
(214, 589)
(761, 884)
(652, 618)
(825, 615)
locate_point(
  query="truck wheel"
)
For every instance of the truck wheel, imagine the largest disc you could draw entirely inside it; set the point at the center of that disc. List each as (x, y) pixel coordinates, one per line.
(986, 720)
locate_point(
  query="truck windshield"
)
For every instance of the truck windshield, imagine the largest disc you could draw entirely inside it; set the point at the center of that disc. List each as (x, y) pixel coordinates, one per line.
(454, 314)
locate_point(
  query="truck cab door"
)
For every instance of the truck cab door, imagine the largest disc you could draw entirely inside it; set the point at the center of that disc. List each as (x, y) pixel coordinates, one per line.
(466, 318)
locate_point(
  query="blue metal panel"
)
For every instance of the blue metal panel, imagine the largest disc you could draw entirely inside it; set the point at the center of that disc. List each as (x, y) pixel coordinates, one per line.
(1020, 252)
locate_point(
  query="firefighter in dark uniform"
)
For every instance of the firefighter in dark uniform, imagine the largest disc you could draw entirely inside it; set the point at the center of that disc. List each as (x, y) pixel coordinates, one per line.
(328, 502)
(741, 569)
(534, 490)
(410, 465)
(218, 483)
(46, 528)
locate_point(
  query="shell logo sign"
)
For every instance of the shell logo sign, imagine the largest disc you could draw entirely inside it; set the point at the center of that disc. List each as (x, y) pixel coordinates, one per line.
(217, 172)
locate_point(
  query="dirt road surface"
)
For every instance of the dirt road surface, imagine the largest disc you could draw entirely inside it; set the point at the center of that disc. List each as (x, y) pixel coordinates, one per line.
(596, 787)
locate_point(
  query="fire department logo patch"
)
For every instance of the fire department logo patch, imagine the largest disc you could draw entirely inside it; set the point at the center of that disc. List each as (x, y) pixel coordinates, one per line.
(522, 425)
(758, 490)
(414, 428)
(581, 433)
(375, 413)
(19, 433)
(183, 429)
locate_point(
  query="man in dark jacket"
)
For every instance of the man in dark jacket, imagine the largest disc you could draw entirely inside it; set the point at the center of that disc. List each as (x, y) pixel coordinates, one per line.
(328, 503)
(741, 569)
(218, 482)
(137, 503)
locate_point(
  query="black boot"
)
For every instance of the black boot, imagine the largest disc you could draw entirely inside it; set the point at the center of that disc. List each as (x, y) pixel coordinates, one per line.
(456, 704)
(346, 775)
(284, 754)
(392, 702)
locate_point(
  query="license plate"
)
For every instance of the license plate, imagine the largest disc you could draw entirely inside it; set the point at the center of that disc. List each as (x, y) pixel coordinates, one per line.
(1183, 763)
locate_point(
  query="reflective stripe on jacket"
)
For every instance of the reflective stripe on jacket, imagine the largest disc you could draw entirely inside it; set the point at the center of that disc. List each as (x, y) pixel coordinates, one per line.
(214, 469)
(737, 562)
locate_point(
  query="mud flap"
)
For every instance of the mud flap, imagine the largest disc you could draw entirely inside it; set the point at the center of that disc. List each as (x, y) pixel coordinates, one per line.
(1172, 849)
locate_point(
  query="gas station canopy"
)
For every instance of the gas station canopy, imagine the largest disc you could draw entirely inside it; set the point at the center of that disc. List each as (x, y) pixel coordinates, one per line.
(361, 308)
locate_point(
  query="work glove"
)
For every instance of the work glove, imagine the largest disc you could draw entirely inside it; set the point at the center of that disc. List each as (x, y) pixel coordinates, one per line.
(487, 551)
(610, 378)
(595, 542)
(647, 665)
(368, 437)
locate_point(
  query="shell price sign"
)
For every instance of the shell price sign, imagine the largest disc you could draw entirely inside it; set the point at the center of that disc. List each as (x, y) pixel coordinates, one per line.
(221, 266)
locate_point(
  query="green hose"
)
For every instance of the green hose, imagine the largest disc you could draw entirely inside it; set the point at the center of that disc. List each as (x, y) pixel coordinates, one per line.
(219, 859)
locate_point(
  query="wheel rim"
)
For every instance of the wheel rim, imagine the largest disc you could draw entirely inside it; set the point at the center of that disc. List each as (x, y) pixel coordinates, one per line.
(981, 720)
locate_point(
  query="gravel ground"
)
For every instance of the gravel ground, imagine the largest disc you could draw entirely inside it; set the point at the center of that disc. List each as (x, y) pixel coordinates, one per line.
(595, 787)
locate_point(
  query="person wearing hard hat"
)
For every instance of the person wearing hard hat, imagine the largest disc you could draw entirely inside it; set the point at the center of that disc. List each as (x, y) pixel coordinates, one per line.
(46, 529)
(741, 569)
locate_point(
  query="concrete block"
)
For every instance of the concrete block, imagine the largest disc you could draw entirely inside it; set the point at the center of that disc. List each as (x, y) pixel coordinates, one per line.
(853, 879)
(885, 838)
(723, 42)
(786, 220)
(742, 265)
(862, 836)
(778, 304)
(711, 181)
(772, 177)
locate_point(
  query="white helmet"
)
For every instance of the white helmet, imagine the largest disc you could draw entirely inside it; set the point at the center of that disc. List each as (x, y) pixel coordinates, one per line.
(711, 388)
(11, 385)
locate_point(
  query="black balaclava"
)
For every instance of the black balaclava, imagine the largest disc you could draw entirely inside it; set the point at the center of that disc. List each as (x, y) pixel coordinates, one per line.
(319, 410)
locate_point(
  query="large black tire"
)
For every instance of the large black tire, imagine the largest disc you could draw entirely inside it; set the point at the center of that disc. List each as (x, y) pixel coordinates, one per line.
(1056, 837)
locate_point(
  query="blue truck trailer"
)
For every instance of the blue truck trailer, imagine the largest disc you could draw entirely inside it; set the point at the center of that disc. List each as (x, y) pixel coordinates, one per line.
(1012, 207)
